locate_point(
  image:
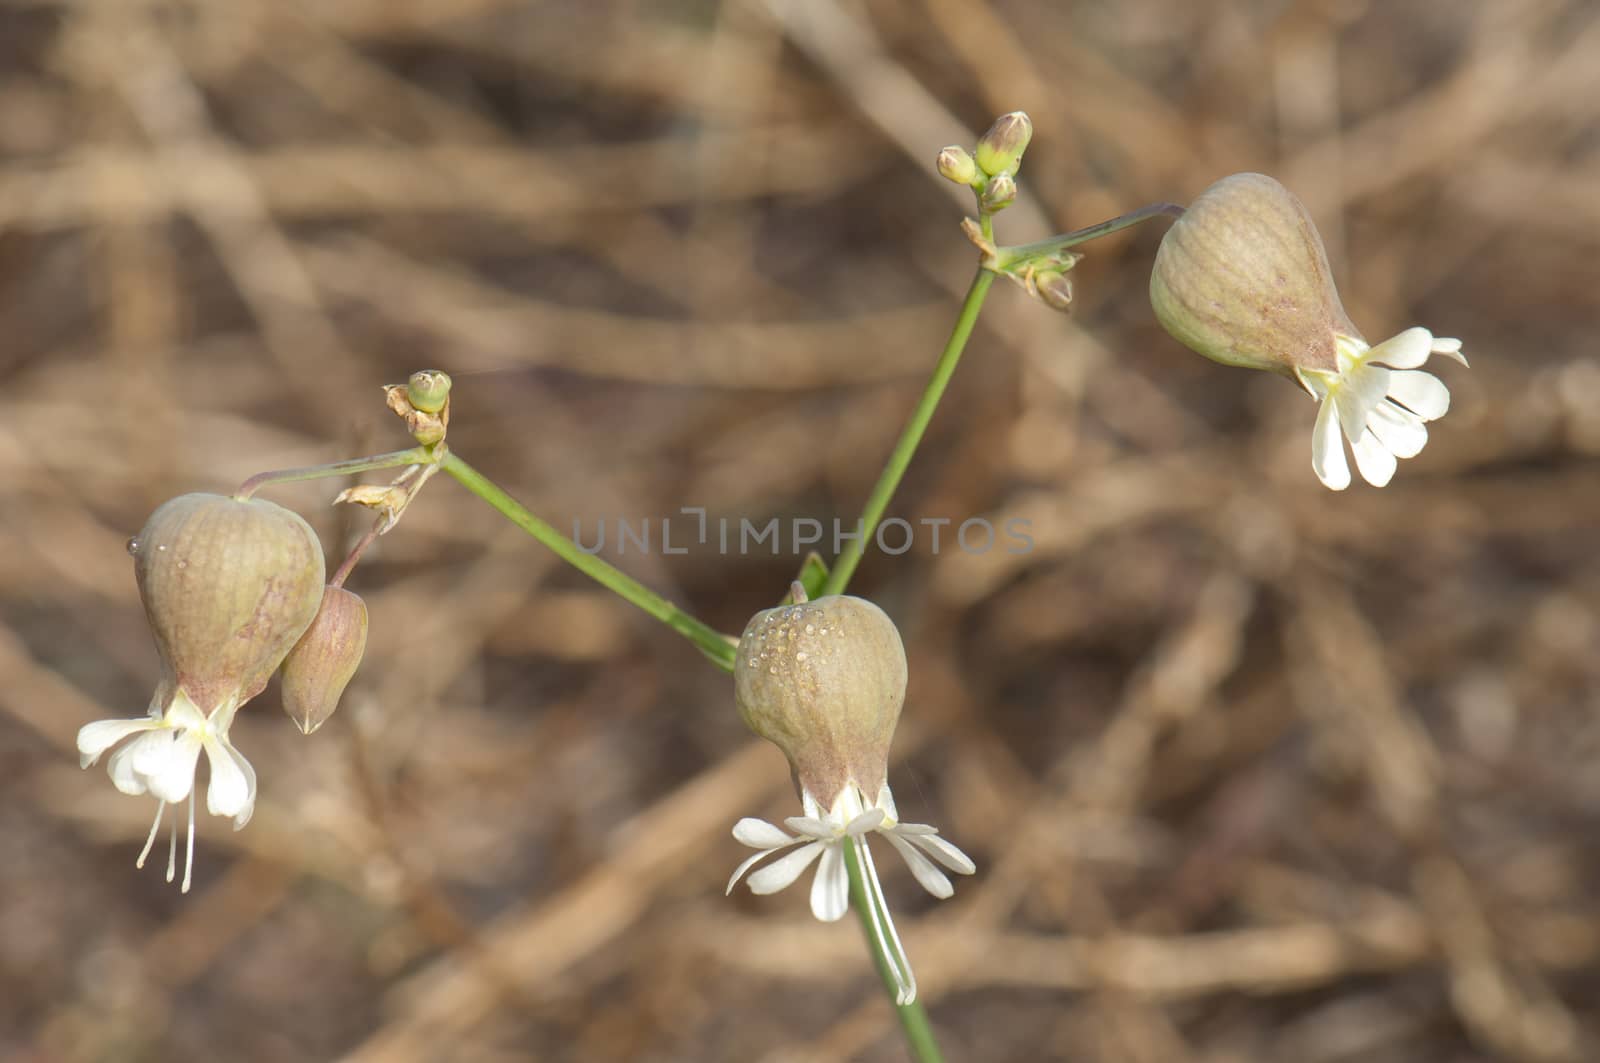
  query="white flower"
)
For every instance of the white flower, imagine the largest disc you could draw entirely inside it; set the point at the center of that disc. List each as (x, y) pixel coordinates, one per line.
(822, 835)
(162, 762)
(1380, 400)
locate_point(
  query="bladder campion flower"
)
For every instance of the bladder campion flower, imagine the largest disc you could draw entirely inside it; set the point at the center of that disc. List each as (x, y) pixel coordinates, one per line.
(228, 586)
(1243, 279)
(824, 681)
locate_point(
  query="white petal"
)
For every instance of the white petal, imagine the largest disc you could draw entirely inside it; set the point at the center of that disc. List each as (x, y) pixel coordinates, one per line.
(759, 834)
(228, 794)
(1422, 393)
(885, 801)
(1377, 465)
(123, 777)
(932, 879)
(746, 865)
(150, 753)
(943, 851)
(780, 873)
(1405, 351)
(1359, 393)
(1399, 429)
(241, 817)
(809, 826)
(95, 738)
(830, 890)
(1327, 449)
(867, 821)
(174, 780)
(1450, 348)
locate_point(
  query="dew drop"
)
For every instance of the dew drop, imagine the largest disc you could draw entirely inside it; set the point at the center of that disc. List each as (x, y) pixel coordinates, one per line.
(183, 564)
(824, 631)
(162, 548)
(811, 629)
(773, 670)
(133, 546)
(800, 656)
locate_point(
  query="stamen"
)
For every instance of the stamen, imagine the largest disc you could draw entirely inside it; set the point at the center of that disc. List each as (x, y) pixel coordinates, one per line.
(151, 841)
(883, 930)
(172, 848)
(188, 856)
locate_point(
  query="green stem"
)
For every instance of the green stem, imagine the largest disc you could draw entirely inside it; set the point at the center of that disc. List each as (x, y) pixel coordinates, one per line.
(986, 224)
(713, 643)
(414, 456)
(1007, 257)
(911, 435)
(874, 914)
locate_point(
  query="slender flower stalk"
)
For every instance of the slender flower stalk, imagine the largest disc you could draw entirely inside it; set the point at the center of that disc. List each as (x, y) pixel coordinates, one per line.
(713, 643)
(393, 459)
(911, 436)
(1008, 259)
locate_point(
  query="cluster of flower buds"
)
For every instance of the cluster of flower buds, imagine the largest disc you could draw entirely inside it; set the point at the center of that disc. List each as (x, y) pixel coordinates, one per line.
(824, 681)
(233, 589)
(1243, 279)
(992, 174)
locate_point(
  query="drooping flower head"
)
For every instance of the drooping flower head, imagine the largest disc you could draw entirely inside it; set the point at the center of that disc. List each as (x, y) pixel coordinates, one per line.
(1243, 279)
(228, 586)
(824, 681)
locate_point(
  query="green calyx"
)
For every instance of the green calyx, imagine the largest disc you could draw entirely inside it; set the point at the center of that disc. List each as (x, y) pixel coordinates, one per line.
(1000, 149)
(824, 681)
(228, 586)
(428, 390)
(1242, 278)
(325, 659)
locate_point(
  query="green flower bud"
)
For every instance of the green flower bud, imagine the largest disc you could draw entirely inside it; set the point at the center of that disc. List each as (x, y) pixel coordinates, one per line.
(956, 165)
(1243, 279)
(1000, 193)
(320, 666)
(824, 681)
(428, 390)
(229, 586)
(1000, 149)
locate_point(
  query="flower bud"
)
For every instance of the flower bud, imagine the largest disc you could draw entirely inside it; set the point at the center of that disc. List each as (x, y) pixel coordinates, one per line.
(1000, 193)
(229, 586)
(1000, 149)
(956, 165)
(428, 390)
(824, 682)
(1055, 288)
(320, 666)
(1243, 279)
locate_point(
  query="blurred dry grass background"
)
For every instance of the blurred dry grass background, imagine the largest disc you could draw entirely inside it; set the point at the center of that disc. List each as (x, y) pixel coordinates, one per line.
(1252, 771)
